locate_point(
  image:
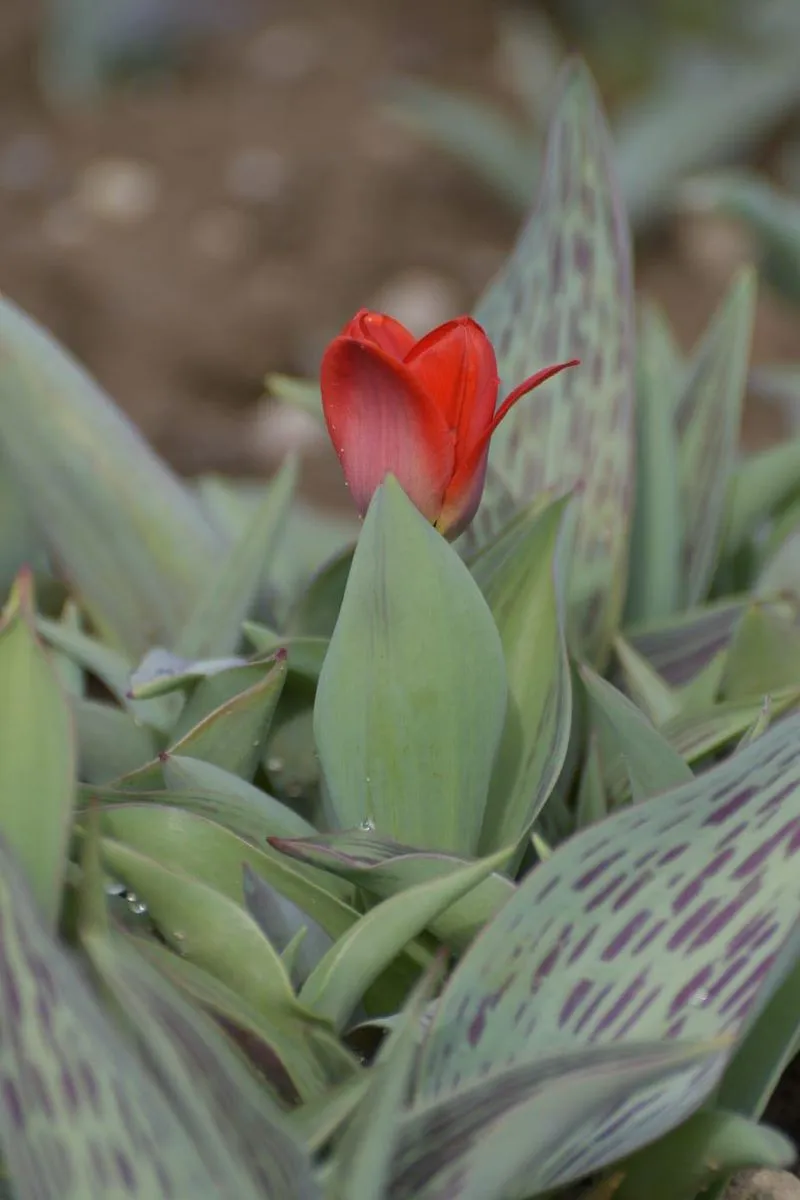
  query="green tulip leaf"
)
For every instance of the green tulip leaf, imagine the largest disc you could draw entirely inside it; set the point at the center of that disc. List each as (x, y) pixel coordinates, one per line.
(383, 868)
(665, 921)
(412, 696)
(566, 292)
(37, 753)
(82, 1112)
(126, 533)
(518, 576)
(654, 580)
(355, 961)
(214, 624)
(708, 419)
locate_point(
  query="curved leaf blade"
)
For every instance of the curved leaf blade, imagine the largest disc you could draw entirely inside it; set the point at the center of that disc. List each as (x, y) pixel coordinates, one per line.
(567, 292)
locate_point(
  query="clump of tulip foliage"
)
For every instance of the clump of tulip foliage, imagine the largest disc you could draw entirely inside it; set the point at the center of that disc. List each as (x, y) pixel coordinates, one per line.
(446, 851)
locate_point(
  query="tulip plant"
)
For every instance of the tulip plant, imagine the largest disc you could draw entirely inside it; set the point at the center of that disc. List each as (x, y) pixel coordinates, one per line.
(450, 851)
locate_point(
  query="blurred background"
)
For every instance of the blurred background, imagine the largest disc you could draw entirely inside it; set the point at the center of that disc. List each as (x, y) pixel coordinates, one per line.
(194, 193)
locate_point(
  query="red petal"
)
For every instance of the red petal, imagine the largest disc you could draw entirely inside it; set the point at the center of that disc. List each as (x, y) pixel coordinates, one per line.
(380, 421)
(380, 330)
(463, 495)
(456, 366)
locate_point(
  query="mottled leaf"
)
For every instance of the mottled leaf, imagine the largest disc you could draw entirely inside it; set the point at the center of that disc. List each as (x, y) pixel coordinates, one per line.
(566, 292)
(37, 753)
(514, 1131)
(199, 1071)
(412, 696)
(126, 533)
(81, 1115)
(665, 921)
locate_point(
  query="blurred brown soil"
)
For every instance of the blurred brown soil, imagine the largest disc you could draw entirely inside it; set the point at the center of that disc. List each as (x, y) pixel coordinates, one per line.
(189, 236)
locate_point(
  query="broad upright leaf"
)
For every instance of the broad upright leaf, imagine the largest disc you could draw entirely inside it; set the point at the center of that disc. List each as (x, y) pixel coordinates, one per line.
(121, 526)
(708, 419)
(214, 625)
(37, 753)
(665, 921)
(80, 1114)
(519, 579)
(566, 291)
(110, 741)
(412, 696)
(654, 580)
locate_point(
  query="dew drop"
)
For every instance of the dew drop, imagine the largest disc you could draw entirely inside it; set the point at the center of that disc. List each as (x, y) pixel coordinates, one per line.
(275, 764)
(136, 905)
(699, 997)
(367, 826)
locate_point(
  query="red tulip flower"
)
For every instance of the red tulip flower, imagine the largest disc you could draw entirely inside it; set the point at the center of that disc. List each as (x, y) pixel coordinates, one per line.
(423, 411)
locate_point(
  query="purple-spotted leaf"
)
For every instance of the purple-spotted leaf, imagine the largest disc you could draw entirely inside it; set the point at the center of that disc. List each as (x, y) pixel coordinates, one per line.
(708, 418)
(566, 291)
(194, 1064)
(664, 921)
(384, 868)
(132, 541)
(683, 646)
(518, 1129)
(80, 1113)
